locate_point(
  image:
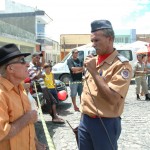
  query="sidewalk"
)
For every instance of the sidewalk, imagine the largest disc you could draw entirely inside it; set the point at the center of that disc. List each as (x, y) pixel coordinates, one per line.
(135, 125)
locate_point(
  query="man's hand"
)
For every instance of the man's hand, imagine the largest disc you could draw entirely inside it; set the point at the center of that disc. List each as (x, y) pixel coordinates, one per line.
(20, 123)
(32, 116)
(39, 145)
(90, 64)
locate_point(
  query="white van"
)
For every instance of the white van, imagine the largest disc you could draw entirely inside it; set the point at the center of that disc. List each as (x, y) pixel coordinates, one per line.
(61, 70)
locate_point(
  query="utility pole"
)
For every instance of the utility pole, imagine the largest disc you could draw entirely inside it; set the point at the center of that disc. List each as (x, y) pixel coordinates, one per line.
(64, 45)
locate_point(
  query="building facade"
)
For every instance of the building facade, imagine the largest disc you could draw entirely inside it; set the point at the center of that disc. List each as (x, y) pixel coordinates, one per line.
(70, 41)
(27, 26)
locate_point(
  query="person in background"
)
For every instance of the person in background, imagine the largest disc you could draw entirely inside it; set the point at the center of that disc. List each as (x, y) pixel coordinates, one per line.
(140, 72)
(144, 59)
(105, 87)
(16, 117)
(49, 80)
(148, 70)
(76, 71)
(36, 74)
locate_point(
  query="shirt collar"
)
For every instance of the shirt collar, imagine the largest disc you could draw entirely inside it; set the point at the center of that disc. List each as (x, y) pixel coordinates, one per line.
(8, 85)
(110, 58)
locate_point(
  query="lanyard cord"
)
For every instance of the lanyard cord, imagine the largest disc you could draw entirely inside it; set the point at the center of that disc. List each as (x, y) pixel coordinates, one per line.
(100, 119)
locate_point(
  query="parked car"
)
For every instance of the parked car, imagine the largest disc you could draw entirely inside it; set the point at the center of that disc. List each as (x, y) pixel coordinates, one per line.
(61, 86)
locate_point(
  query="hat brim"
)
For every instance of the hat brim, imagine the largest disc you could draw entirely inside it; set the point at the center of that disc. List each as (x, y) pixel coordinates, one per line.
(12, 57)
(37, 54)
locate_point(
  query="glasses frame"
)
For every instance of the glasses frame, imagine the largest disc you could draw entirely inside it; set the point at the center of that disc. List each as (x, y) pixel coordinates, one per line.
(46, 67)
(20, 61)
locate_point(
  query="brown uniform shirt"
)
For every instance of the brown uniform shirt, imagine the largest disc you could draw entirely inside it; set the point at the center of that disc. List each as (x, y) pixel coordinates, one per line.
(13, 106)
(117, 75)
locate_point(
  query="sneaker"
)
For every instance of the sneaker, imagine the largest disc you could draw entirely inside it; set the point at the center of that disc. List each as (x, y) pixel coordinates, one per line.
(147, 99)
(138, 97)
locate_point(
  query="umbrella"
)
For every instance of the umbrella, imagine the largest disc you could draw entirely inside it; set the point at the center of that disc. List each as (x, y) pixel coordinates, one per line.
(143, 50)
(148, 47)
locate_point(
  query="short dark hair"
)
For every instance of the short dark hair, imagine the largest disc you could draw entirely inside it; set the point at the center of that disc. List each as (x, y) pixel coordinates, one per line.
(74, 50)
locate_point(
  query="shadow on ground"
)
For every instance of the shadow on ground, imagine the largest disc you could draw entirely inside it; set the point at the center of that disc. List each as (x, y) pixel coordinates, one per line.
(63, 110)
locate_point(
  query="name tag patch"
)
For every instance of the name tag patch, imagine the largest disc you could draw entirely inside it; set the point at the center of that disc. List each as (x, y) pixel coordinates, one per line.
(125, 74)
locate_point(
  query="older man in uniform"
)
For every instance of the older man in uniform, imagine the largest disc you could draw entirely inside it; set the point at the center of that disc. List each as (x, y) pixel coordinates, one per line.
(105, 87)
(16, 117)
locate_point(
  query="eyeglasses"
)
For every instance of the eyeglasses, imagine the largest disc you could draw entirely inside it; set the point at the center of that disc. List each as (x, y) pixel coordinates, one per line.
(46, 66)
(37, 57)
(76, 52)
(20, 61)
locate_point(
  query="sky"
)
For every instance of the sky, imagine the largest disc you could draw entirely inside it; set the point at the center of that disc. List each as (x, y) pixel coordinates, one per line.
(74, 17)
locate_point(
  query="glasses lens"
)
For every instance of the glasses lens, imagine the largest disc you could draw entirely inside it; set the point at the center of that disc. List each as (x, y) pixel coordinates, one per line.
(22, 61)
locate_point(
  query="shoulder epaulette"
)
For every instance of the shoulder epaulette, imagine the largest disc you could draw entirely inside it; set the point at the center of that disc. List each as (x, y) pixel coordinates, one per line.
(122, 58)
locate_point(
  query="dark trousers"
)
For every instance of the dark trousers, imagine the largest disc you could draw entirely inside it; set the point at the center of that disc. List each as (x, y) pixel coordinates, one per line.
(92, 135)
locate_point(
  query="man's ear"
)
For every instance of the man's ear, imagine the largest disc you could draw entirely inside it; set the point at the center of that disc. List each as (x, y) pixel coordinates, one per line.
(9, 68)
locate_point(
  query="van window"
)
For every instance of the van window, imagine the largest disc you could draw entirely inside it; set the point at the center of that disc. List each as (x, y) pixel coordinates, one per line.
(81, 55)
(126, 53)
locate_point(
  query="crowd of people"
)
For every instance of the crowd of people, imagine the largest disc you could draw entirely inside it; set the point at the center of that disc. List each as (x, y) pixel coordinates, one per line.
(40, 73)
(102, 92)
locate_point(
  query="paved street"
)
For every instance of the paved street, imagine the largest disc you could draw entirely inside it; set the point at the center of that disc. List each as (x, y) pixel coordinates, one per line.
(135, 125)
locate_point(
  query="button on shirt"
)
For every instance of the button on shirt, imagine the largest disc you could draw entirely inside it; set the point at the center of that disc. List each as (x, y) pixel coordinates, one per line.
(12, 106)
(117, 75)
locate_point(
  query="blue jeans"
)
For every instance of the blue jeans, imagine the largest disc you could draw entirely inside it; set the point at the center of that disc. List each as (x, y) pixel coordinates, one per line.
(54, 93)
(92, 135)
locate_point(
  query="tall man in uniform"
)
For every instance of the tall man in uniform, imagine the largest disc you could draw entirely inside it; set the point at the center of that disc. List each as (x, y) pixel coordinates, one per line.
(76, 68)
(105, 87)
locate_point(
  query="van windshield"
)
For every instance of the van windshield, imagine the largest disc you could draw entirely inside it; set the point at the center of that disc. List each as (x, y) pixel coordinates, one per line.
(80, 56)
(126, 53)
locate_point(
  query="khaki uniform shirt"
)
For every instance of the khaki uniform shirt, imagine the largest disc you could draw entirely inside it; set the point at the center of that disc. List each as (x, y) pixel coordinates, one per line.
(13, 106)
(139, 67)
(117, 75)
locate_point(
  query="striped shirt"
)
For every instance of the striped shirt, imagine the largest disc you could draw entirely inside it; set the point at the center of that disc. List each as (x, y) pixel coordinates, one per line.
(33, 72)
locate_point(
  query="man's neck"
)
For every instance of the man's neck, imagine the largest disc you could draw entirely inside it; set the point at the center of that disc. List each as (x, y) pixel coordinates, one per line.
(13, 80)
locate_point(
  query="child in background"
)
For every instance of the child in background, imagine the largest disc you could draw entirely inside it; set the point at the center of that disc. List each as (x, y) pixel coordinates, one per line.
(49, 80)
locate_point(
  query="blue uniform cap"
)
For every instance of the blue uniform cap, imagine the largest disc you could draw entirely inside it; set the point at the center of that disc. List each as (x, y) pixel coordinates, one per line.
(100, 24)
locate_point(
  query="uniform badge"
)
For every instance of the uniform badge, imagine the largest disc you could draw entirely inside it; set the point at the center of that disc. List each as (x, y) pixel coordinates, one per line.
(125, 74)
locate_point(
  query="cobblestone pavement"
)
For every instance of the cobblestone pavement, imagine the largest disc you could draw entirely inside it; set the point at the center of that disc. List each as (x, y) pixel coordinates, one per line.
(135, 125)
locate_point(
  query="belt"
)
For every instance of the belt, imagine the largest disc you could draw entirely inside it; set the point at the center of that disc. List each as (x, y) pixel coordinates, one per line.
(94, 117)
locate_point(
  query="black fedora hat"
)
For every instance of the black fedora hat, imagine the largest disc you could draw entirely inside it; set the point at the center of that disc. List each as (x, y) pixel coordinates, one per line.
(10, 51)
